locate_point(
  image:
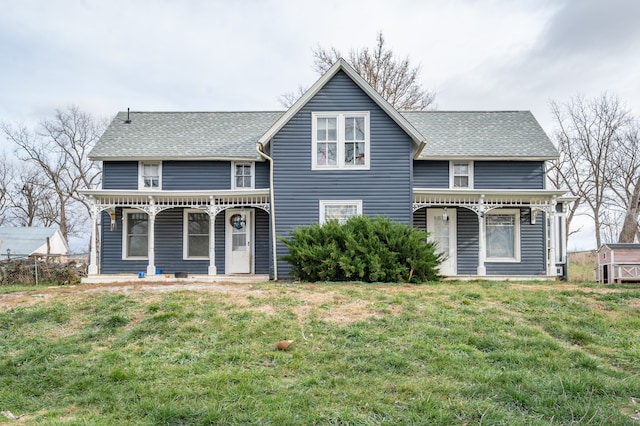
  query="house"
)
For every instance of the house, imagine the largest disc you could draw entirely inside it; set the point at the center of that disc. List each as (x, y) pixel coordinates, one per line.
(619, 262)
(21, 242)
(209, 193)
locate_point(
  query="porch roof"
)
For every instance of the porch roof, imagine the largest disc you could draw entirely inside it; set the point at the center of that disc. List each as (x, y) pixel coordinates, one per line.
(107, 198)
(423, 197)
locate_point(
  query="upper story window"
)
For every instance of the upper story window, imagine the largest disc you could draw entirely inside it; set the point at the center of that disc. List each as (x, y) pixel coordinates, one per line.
(461, 173)
(339, 210)
(243, 175)
(150, 175)
(340, 140)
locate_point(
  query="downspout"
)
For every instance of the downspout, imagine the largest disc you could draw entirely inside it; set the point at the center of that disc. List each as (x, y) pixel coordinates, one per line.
(272, 199)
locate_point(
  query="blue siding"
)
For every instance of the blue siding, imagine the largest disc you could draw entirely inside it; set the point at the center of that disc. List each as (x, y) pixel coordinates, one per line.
(385, 189)
(430, 174)
(487, 174)
(467, 242)
(120, 175)
(196, 175)
(262, 175)
(220, 241)
(509, 174)
(262, 260)
(420, 219)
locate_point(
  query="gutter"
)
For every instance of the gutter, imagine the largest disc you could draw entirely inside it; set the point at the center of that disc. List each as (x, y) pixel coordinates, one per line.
(260, 148)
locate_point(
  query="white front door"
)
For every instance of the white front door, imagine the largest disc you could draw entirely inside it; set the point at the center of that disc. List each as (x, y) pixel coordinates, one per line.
(239, 241)
(441, 225)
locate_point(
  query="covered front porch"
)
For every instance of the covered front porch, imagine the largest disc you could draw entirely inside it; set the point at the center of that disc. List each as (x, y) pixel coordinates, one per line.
(161, 235)
(495, 233)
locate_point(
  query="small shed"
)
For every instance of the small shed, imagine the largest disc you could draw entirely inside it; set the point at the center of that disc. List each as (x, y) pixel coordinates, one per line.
(29, 241)
(619, 262)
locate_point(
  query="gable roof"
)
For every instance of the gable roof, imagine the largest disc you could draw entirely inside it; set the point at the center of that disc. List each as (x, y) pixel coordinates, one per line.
(482, 134)
(183, 135)
(30, 240)
(342, 65)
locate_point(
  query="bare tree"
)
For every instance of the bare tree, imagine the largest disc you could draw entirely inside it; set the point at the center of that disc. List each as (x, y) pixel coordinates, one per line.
(6, 180)
(588, 134)
(59, 149)
(396, 80)
(32, 201)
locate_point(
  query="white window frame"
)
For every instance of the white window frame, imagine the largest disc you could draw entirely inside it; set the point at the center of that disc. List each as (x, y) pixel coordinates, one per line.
(452, 175)
(325, 203)
(125, 239)
(233, 174)
(185, 235)
(516, 235)
(141, 165)
(340, 149)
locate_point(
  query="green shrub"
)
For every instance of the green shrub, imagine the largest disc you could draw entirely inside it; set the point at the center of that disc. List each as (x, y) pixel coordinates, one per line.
(363, 249)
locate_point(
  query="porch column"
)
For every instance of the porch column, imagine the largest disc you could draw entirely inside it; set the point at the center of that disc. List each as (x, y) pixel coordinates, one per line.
(552, 239)
(482, 242)
(93, 256)
(212, 241)
(151, 237)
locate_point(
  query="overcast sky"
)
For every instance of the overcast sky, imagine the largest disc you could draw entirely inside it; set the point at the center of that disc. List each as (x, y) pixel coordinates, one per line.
(105, 56)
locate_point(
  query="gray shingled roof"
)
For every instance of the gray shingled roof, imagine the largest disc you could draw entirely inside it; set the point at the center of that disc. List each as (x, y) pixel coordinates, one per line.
(471, 134)
(162, 135)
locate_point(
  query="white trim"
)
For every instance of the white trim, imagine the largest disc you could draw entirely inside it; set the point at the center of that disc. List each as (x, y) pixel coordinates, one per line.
(452, 175)
(324, 203)
(516, 235)
(141, 165)
(252, 164)
(341, 64)
(185, 234)
(125, 240)
(340, 141)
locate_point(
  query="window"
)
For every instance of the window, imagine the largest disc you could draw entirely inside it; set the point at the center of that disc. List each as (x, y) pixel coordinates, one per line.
(340, 140)
(196, 234)
(150, 174)
(502, 229)
(136, 234)
(339, 210)
(243, 175)
(461, 173)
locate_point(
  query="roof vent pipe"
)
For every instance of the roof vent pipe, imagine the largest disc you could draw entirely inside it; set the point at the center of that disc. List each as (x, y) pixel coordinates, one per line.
(128, 120)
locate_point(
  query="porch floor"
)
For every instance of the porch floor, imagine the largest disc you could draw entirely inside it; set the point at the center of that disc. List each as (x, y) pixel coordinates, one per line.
(191, 278)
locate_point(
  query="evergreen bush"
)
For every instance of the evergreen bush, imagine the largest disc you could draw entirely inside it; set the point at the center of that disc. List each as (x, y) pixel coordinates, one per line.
(363, 249)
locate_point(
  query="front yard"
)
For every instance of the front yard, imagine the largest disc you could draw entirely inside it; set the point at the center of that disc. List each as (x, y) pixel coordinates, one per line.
(446, 353)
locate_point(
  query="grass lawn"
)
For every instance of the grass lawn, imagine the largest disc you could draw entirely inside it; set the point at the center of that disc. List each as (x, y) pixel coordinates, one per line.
(445, 353)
